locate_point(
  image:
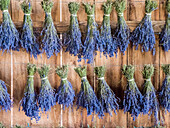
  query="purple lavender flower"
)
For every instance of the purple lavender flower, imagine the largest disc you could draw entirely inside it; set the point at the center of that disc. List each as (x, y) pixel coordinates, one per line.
(65, 93)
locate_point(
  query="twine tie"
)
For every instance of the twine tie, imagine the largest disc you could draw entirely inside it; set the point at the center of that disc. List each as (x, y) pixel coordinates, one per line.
(90, 15)
(131, 80)
(149, 14)
(101, 78)
(120, 14)
(148, 79)
(44, 78)
(64, 79)
(30, 76)
(84, 77)
(106, 14)
(26, 14)
(75, 15)
(5, 11)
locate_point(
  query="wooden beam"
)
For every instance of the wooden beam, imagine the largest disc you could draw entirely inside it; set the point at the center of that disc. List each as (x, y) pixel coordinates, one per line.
(62, 27)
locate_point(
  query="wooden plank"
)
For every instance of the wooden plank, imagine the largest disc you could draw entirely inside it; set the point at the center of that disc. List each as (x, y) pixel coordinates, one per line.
(20, 60)
(5, 70)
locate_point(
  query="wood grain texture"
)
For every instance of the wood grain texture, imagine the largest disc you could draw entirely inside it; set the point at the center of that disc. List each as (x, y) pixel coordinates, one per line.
(76, 118)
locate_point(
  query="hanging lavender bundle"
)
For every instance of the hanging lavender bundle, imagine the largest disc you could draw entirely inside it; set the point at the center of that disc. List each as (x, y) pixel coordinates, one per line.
(5, 101)
(73, 37)
(132, 98)
(105, 95)
(46, 97)
(109, 47)
(28, 40)
(29, 101)
(164, 37)
(122, 32)
(65, 93)
(144, 33)
(50, 41)
(164, 94)
(93, 40)
(9, 38)
(86, 98)
(150, 102)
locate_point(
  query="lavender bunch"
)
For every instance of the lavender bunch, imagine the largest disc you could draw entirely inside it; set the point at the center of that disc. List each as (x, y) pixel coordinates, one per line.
(73, 36)
(9, 38)
(5, 101)
(164, 37)
(164, 94)
(46, 97)
(28, 40)
(50, 40)
(65, 93)
(132, 98)
(150, 102)
(109, 47)
(122, 32)
(105, 95)
(144, 33)
(93, 40)
(86, 98)
(29, 102)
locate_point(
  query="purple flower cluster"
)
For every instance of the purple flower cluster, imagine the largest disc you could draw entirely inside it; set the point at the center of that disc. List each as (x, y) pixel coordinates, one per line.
(133, 98)
(50, 40)
(110, 48)
(122, 31)
(144, 34)
(93, 40)
(28, 40)
(72, 39)
(65, 93)
(164, 94)
(29, 102)
(150, 103)
(86, 98)
(9, 36)
(106, 96)
(5, 101)
(164, 37)
(46, 97)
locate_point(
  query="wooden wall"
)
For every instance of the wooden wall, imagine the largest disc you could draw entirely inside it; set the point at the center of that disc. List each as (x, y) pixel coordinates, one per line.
(13, 67)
